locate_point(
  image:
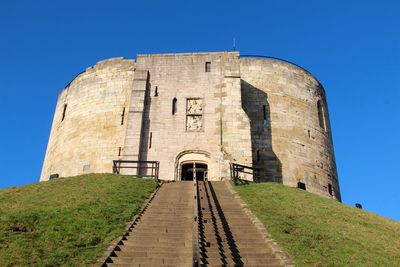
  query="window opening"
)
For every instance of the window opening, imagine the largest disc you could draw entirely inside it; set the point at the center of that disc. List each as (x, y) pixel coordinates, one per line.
(194, 115)
(321, 115)
(301, 185)
(64, 111)
(208, 67)
(156, 91)
(119, 151)
(150, 139)
(54, 176)
(265, 115)
(174, 105)
(122, 116)
(330, 189)
(265, 112)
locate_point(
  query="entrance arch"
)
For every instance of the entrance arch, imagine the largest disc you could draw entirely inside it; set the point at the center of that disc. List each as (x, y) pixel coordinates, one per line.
(191, 164)
(193, 170)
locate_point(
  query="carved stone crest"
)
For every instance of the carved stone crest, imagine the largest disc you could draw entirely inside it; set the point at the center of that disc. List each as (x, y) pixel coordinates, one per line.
(194, 115)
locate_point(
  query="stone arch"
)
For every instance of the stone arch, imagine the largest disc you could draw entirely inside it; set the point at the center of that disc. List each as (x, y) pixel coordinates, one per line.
(198, 156)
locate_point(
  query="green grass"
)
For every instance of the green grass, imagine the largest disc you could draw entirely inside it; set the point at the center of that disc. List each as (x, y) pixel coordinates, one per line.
(315, 231)
(67, 222)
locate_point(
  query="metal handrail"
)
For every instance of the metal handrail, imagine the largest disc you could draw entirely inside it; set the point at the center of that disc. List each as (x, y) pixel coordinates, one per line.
(139, 165)
(195, 233)
(238, 168)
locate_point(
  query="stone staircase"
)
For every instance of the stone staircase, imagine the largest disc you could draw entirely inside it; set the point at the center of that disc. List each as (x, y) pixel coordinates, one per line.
(227, 235)
(162, 236)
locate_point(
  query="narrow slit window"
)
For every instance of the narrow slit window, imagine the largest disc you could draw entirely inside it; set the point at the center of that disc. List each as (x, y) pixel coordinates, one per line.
(119, 151)
(123, 116)
(174, 105)
(265, 112)
(156, 91)
(150, 139)
(321, 115)
(265, 116)
(64, 112)
(208, 66)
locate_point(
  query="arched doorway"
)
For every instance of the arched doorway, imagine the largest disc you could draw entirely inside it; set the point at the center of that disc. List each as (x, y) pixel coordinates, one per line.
(190, 164)
(194, 170)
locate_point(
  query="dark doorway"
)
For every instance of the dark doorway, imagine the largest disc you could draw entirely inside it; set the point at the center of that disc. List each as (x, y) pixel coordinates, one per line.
(193, 170)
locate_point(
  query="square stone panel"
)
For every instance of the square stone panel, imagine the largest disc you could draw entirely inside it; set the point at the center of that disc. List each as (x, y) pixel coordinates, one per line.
(194, 123)
(194, 107)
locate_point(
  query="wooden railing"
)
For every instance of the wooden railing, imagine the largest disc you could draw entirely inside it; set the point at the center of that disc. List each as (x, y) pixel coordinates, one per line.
(144, 169)
(244, 173)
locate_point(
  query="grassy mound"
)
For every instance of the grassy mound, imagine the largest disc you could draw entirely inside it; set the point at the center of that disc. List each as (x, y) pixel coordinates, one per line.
(67, 221)
(315, 231)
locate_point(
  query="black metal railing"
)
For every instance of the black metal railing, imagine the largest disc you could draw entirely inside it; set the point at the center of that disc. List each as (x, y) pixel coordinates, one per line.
(143, 169)
(195, 233)
(244, 173)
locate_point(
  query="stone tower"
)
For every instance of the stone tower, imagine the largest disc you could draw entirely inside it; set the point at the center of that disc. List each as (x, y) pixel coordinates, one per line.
(209, 109)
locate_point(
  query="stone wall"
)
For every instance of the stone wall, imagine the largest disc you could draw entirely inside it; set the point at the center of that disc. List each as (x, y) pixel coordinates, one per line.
(210, 108)
(90, 135)
(287, 138)
(222, 135)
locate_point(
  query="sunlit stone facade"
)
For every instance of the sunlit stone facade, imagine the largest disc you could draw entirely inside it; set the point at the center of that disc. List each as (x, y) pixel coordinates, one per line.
(196, 109)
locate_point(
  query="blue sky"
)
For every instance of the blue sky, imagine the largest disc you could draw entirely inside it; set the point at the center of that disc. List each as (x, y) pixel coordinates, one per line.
(352, 47)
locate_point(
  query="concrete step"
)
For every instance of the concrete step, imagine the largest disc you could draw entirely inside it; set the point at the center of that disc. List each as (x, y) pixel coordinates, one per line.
(240, 261)
(173, 206)
(139, 265)
(227, 228)
(166, 220)
(152, 244)
(240, 247)
(229, 223)
(140, 248)
(236, 219)
(156, 230)
(158, 238)
(182, 213)
(242, 254)
(153, 261)
(234, 239)
(155, 254)
(155, 239)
